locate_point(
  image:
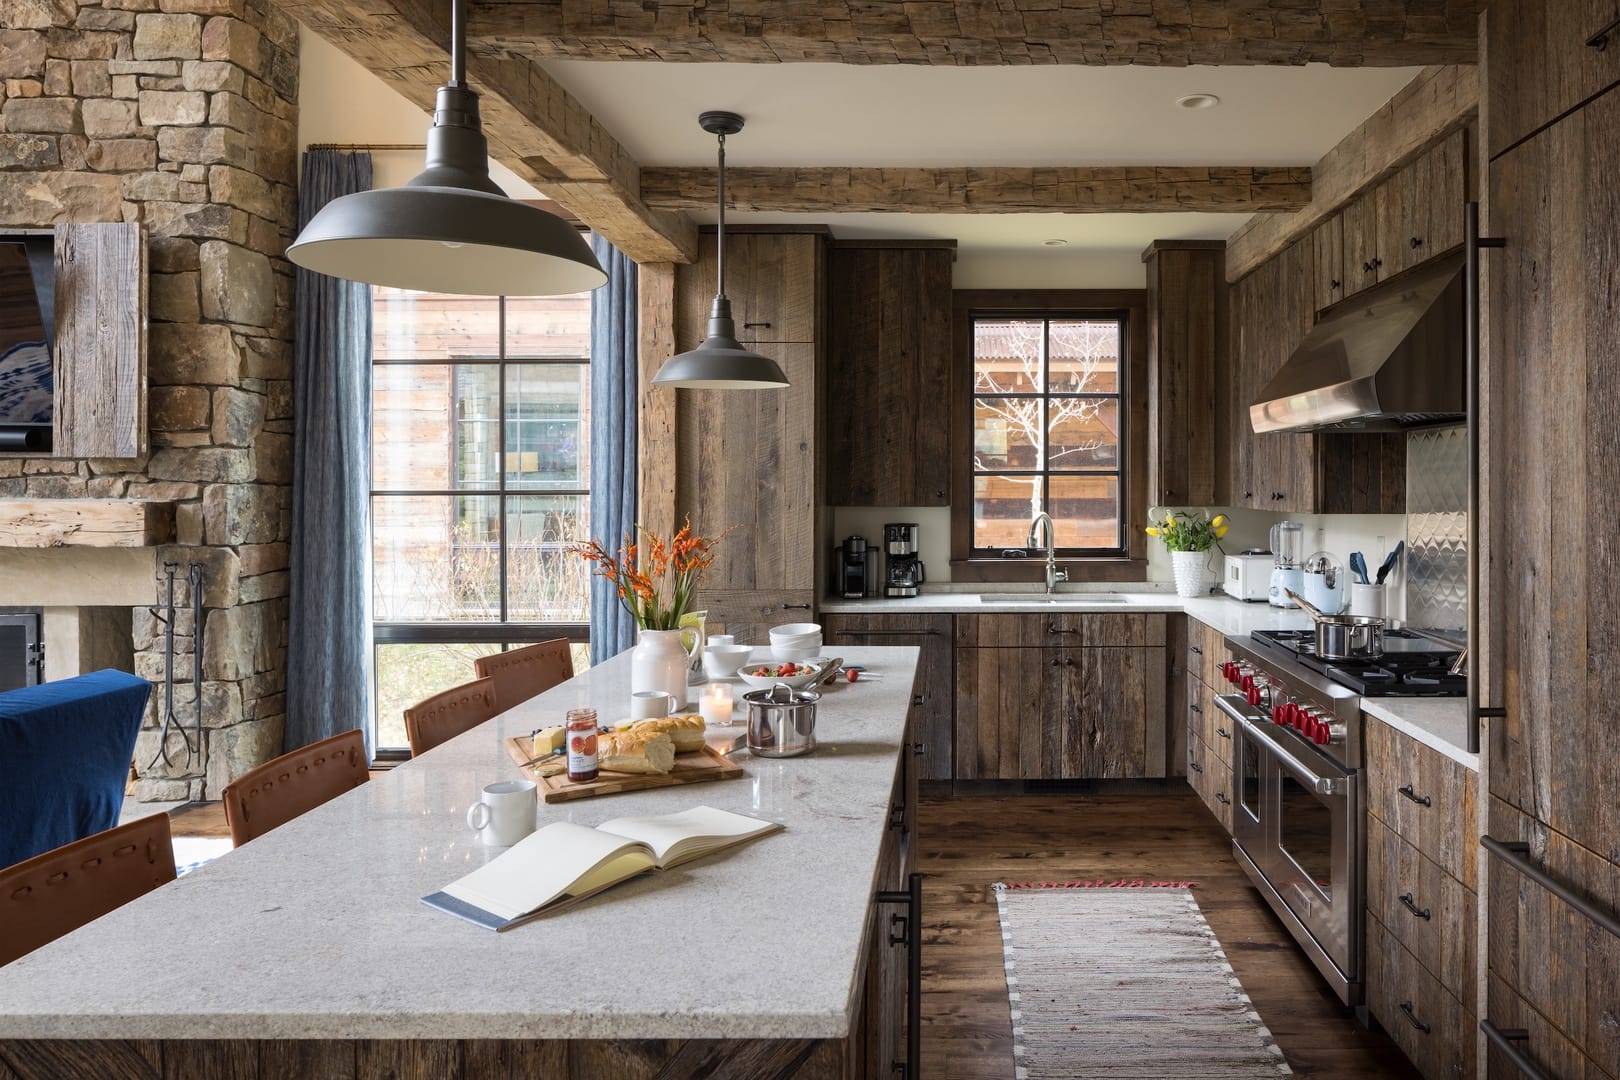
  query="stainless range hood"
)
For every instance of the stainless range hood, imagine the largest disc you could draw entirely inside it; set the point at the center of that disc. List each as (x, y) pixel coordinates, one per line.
(1388, 359)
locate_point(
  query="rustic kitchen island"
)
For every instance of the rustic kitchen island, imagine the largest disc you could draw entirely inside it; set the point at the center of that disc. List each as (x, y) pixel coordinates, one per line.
(307, 952)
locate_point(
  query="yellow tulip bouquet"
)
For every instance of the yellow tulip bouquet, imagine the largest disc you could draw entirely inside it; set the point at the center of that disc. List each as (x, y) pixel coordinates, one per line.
(1189, 531)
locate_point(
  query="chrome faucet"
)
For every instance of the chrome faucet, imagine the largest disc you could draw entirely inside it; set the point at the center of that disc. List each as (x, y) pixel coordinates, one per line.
(1049, 545)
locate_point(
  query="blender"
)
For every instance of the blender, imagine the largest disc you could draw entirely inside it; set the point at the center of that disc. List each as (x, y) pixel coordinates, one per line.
(1287, 569)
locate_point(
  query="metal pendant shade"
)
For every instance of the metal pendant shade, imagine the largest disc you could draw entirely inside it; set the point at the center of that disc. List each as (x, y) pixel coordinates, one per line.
(721, 362)
(451, 228)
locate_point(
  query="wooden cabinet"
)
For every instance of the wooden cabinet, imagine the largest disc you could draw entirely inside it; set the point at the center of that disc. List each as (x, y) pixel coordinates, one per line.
(1328, 251)
(1409, 218)
(1433, 1029)
(1186, 307)
(932, 697)
(1208, 732)
(1426, 798)
(1360, 223)
(1540, 65)
(749, 461)
(878, 1041)
(888, 400)
(1059, 697)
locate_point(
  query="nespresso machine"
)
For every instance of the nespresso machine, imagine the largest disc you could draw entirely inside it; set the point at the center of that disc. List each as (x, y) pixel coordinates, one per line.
(903, 568)
(851, 573)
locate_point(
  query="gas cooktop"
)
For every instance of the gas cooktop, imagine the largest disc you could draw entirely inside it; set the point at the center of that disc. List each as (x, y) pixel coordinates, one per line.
(1412, 665)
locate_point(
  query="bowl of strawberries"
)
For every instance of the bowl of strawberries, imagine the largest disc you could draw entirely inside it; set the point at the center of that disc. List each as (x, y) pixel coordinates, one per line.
(795, 673)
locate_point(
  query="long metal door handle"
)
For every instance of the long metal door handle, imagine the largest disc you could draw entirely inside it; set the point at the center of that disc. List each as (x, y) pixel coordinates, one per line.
(1410, 793)
(1517, 855)
(1411, 1018)
(1504, 1038)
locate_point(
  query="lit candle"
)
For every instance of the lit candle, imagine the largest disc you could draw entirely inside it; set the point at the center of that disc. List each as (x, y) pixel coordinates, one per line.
(716, 705)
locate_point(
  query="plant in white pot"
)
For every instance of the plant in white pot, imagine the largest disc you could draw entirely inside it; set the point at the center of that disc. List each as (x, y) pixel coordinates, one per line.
(1189, 536)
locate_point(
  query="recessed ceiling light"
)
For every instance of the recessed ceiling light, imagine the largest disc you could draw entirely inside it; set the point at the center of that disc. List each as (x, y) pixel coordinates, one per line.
(1054, 243)
(1199, 100)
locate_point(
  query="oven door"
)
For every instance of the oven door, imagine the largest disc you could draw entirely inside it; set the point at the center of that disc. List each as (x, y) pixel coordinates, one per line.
(1250, 758)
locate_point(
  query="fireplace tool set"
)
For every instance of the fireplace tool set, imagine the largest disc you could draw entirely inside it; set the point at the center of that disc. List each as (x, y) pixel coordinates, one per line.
(194, 748)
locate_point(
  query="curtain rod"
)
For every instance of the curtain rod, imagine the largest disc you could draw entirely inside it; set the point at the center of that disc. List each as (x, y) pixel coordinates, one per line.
(366, 146)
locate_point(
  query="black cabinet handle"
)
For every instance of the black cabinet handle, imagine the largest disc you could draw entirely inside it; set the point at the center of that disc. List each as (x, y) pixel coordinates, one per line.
(1195, 707)
(1600, 40)
(1504, 1038)
(918, 749)
(1417, 242)
(1366, 268)
(756, 326)
(899, 930)
(1223, 733)
(1195, 650)
(939, 493)
(911, 1068)
(1053, 628)
(795, 607)
(1068, 661)
(1421, 800)
(1248, 494)
(1220, 797)
(1377, 263)
(897, 815)
(1333, 283)
(919, 699)
(1422, 913)
(1194, 766)
(1411, 1017)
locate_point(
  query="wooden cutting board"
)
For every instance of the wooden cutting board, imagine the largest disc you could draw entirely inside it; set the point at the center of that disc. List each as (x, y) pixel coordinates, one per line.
(696, 767)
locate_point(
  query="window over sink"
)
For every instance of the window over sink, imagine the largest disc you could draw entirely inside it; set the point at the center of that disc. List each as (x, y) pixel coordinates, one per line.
(1045, 384)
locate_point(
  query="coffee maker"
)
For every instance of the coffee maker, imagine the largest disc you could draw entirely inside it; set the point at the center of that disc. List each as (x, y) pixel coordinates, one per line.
(851, 573)
(903, 569)
(1287, 562)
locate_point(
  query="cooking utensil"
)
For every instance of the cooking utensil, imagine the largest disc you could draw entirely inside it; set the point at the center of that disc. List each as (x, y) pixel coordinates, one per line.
(1358, 567)
(1389, 562)
(1344, 637)
(781, 721)
(835, 668)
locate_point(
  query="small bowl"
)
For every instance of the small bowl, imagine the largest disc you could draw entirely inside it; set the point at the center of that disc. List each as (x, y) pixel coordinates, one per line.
(765, 682)
(722, 661)
(808, 649)
(792, 630)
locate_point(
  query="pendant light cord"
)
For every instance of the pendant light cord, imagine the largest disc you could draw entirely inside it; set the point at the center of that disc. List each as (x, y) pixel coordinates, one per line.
(458, 42)
(720, 227)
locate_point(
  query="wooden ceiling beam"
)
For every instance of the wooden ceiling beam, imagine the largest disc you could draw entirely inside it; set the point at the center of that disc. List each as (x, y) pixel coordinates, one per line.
(948, 33)
(988, 190)
(533, 125)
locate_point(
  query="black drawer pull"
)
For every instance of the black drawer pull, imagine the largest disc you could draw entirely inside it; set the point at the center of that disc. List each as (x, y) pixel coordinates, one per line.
(756, 326)
(1194, 766)
(1053, 628)
(1504, 1038)
(1421, 800)
(1195, 708)
(918, 699)
(1600, 40)
(1333, 283)
(1220, 797)
(899, 929)
(795, 607)
(1411, 905)
(1223, 733)
(919, 749)
(1411, 1017)
(897, 815)
(1417, 242)
(1195, 650)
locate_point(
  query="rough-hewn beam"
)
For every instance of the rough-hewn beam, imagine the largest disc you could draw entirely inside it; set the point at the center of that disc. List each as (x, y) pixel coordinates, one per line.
(534, 126)
(988, 190)
(953, 33)
(1436, 102)
(51, 523)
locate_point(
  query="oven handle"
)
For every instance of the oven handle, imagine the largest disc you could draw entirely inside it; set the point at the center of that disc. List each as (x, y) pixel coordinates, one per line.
(1321, 785)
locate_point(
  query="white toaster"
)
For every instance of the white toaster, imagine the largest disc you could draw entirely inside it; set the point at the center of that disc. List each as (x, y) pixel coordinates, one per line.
(1248, 577)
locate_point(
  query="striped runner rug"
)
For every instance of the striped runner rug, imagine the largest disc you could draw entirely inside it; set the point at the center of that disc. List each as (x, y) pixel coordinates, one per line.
(1125, 983)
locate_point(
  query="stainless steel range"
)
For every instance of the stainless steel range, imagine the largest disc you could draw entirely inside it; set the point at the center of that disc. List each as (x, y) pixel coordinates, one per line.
(1299, 777)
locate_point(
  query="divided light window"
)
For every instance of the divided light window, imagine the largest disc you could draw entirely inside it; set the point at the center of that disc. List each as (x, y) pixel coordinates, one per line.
(1048, 429)
(480, 479)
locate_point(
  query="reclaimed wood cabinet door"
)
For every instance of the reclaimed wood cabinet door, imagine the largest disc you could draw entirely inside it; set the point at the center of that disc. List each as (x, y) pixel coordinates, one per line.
(1112, 713)
(932, 699)
(1540, 64)
(1328, 250)
(1004, 701)
(1420, 208)
(1186, 302)
(1359, 221)
(100, 354)
(772, 279)
(888, 375)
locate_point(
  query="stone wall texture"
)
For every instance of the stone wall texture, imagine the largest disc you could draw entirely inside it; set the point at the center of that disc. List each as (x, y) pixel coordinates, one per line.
(181, 114)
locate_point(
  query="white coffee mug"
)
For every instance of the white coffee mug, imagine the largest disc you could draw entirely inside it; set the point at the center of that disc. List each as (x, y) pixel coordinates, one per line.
(505, 814)
(650, 704)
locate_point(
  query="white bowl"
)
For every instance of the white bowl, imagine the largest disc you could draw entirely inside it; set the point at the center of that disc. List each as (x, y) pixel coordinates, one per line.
(788, 632)
(765, 682)
(722, 661)
(808, 649)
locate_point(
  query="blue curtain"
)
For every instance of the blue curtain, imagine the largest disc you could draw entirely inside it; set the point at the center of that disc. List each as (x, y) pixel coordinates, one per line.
(613, 437)
(329, 621)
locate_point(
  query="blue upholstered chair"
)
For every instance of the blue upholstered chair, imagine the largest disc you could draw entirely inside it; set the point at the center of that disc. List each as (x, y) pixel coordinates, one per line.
(65, 749)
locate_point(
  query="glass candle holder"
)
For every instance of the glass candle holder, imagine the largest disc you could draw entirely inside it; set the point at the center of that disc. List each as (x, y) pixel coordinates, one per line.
(715, 705)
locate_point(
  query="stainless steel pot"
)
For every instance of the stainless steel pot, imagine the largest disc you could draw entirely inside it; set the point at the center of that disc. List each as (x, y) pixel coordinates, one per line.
(1344, 637)
(781, 721)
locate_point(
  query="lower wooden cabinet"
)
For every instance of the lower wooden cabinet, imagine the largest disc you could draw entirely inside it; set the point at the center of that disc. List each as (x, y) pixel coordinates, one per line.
(1429, 912)
(932, 698)
(1426, 797)
(1029, 713)
(1211, 778)
(878, 1049)
(1433, 1029)
(749, 614)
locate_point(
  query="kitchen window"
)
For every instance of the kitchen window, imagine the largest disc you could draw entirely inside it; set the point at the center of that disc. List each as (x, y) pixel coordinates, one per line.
(1048, 386)
(480, 481)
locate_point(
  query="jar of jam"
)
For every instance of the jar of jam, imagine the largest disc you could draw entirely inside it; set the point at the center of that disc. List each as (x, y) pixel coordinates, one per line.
(580, 733)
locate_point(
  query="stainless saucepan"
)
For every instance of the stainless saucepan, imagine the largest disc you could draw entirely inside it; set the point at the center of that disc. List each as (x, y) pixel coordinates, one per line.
(781, 721)
(1344, 637)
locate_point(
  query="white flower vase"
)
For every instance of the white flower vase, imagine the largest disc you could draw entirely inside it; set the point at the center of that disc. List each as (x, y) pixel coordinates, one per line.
(1189, 571)
(658, 662)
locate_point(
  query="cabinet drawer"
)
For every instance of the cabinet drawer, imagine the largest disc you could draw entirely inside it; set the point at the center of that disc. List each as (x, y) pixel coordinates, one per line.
(1060, 629)
(1429, 1025)
(1206, 652)
(1545, 1046)
(1425, 797)
(1213, 725)
(1211, 778)
(1424, 908)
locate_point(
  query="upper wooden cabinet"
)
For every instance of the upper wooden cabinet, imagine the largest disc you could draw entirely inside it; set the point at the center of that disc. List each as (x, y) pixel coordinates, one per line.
(1409, 218)
(772, 279)
(1186, 301)
(888, 370)
(1328, 241)
(1540, 64)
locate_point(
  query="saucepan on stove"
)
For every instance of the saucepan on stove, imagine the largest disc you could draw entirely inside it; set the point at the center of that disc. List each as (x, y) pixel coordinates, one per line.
(1344, 637)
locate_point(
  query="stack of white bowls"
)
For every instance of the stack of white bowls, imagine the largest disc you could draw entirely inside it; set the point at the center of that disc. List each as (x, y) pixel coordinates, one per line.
(796, 641)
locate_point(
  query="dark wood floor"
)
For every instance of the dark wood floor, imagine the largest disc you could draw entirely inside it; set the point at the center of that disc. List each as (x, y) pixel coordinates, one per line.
(966, 844)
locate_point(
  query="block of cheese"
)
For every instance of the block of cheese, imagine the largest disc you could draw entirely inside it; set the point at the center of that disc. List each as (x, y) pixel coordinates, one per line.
(548, 741)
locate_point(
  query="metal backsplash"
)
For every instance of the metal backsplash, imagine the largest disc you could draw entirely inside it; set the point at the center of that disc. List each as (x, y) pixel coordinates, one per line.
(1437, 528)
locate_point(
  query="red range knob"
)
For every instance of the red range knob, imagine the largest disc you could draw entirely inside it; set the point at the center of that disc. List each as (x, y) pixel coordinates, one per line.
(1253, 695)
(1247, 683)
(1277, 714)
(1291, 714)
(1324, 734)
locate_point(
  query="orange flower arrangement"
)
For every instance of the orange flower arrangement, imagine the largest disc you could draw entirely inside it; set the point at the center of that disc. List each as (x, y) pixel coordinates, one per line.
(655, 579)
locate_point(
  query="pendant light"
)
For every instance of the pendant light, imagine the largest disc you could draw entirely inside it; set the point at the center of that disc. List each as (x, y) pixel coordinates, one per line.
(721, 362)
(451, 228)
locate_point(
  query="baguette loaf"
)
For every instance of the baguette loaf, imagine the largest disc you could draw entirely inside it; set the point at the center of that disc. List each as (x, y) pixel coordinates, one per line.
(633, 752)
(686, 731)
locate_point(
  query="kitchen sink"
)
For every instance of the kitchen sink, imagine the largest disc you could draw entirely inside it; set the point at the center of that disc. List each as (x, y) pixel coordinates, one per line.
(1063, 599)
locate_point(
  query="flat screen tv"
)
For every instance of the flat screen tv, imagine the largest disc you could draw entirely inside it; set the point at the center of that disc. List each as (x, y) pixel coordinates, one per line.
(27, 302)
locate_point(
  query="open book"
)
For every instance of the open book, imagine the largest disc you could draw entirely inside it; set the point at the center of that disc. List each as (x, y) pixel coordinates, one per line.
(564, 862)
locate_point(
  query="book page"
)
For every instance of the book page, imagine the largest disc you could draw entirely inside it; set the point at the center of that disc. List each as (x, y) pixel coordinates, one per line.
(560, 859)
(676, 838)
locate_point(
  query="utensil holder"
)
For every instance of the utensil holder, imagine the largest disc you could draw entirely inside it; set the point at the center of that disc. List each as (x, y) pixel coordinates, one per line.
(1366, 600)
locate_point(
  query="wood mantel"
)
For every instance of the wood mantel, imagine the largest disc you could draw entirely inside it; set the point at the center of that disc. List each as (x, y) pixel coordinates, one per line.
(101, 523)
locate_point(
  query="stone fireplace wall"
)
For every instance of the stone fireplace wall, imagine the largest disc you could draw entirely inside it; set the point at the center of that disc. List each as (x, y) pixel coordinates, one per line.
(180, 114)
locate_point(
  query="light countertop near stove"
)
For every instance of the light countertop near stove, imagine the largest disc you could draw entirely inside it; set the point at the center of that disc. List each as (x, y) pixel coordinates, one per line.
(1438, 723)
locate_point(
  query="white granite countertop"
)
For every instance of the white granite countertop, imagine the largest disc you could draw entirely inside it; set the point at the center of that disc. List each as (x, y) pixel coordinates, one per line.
(1438, 723)
(316, 930)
